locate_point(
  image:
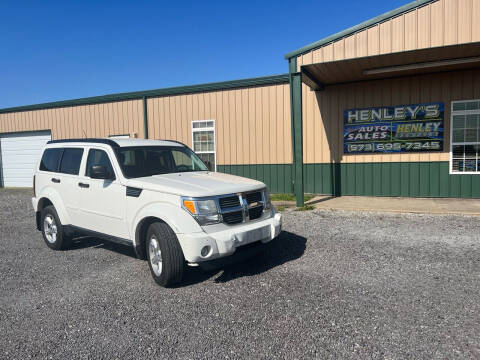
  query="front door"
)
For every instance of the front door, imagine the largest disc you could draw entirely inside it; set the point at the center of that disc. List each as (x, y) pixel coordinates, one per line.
(103, 201)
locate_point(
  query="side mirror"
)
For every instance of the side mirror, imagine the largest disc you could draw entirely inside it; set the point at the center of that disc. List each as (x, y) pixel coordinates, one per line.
(99, 172)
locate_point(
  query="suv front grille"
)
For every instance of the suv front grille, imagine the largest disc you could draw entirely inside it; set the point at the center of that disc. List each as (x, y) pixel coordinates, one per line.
(238, 208)
(253, 197)
(229, 202)
(255, 213)
(234, 217)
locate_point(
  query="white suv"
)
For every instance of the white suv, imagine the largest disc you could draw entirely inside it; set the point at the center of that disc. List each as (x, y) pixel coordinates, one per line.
(156, 196)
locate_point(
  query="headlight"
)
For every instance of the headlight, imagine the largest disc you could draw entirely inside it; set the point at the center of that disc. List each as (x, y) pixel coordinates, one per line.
(204, 211)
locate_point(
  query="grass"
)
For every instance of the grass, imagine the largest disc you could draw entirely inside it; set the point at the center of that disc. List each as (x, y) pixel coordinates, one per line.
(305, 208)
(280, 208)
(290, 197)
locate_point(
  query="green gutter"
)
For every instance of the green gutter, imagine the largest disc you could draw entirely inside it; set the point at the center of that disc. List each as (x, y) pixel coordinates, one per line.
(191, 89)
(381, 18)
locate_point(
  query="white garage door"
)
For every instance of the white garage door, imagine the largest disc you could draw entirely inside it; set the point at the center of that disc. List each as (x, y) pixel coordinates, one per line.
(19, 154)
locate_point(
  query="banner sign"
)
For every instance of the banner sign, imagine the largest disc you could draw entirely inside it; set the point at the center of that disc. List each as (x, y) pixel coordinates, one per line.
(394, 129)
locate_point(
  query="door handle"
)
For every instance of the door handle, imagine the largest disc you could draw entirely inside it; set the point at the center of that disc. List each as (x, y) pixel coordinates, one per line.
(55, 180)
(83, 185)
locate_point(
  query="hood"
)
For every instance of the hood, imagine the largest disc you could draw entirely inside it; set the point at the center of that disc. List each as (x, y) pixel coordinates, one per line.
(196, 184)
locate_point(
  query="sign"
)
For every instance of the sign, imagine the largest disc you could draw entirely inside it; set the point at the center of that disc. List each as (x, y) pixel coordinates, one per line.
(394, 129)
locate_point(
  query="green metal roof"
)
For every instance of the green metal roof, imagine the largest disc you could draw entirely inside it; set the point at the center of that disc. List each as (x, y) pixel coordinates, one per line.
(190, 89)
(359, 27)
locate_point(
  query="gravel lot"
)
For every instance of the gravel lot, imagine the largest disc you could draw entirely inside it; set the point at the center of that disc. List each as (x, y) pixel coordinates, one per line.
(334, 285)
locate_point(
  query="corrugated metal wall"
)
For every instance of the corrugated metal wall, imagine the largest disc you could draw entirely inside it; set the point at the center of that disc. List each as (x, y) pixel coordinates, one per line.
(252, 124)
(444, 22)
(323, 112)
(101, 120)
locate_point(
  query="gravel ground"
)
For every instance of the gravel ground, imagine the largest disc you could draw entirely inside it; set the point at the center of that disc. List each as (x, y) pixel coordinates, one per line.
(333, 285)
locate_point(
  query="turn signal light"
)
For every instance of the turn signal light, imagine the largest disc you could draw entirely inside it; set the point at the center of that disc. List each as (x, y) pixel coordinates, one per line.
(189, 205)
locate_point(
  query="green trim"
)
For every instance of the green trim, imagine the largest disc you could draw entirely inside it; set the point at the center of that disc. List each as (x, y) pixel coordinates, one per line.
(402, 179)
(145, 118)
(378, 19)
(292, 68)
(191, 89)
(278, 177)
(1, 166)
(296, 94)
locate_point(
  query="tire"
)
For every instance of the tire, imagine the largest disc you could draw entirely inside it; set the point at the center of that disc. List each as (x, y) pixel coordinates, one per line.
(164, 255)
(52, 229)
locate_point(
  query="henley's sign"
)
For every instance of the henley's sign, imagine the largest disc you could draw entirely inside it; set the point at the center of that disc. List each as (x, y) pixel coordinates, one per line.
(402, 128)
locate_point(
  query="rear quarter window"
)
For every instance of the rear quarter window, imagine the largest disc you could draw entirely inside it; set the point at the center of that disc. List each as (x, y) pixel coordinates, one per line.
(71, 160)
(51, 159)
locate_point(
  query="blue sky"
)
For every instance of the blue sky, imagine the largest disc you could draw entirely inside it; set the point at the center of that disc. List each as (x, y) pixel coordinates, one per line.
(56, 50)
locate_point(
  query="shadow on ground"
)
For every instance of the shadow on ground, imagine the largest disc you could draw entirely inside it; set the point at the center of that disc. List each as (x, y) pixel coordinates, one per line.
(92, 242)
(286, 247)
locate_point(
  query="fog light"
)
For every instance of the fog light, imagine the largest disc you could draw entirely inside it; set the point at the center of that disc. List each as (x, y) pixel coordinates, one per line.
(205, 251)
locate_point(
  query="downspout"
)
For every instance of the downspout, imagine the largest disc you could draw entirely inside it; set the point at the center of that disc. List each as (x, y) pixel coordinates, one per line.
(145, 118)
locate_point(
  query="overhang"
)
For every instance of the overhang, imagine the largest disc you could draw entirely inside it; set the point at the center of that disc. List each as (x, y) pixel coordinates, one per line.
(423, 61)
(362, 26)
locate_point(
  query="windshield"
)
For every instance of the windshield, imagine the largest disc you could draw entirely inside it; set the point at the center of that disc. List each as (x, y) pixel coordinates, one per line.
(140, 161)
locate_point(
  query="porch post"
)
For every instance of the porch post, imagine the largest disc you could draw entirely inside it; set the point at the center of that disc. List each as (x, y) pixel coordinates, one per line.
(297, 136)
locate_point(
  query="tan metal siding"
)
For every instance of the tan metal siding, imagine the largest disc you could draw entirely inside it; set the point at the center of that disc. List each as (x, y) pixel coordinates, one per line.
(102, 120)
(444, 22)
(252, 124)
(323, 112)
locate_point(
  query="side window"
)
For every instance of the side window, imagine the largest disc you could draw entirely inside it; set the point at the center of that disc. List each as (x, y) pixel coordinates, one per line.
(98, 157)
(50, 159)
(71, 160)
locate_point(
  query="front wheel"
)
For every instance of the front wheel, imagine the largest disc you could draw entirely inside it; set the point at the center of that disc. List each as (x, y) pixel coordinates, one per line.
(52, 229)
(165, 256)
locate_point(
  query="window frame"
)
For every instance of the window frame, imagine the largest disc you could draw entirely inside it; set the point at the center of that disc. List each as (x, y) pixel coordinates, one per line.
(85, 169)
(194, 130)
(463, 112)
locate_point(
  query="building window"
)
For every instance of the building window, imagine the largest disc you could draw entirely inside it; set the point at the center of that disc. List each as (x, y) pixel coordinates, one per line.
(465, 137)
(203, 136)
(122, 136)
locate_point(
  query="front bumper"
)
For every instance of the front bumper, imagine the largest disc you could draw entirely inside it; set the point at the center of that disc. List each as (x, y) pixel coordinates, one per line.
(225, 242)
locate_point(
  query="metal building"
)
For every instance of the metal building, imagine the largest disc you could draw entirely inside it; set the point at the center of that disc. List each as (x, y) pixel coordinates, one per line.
(390, 107)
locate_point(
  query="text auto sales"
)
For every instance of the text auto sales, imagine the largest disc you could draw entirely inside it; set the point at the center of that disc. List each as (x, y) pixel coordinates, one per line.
(381, 132)
(400, 113)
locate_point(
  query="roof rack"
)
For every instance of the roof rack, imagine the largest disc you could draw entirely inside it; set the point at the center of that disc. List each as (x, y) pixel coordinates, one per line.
(89, 140)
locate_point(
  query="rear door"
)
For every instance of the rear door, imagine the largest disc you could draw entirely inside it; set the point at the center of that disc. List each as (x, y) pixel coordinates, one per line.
(102, 201)
(68, 175)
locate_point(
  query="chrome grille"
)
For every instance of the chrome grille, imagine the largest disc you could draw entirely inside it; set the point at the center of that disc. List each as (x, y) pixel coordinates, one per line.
(243, 207)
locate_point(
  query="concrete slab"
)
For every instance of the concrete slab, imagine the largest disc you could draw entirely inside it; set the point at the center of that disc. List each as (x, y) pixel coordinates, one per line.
(392, 204)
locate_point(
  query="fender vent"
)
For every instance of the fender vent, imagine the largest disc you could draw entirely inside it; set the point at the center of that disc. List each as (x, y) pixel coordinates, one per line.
(133, 192)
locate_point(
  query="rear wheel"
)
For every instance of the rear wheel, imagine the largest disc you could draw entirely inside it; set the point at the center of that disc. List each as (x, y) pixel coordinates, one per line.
(52, 229)
(165, 256)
